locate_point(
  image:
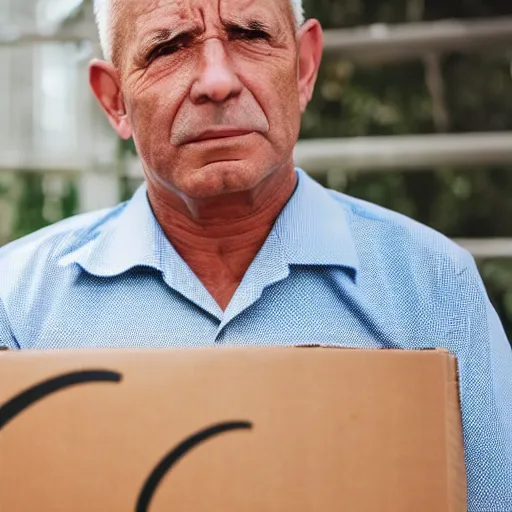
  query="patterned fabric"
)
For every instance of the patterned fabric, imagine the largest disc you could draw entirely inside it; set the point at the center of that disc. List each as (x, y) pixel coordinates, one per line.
(335, 270)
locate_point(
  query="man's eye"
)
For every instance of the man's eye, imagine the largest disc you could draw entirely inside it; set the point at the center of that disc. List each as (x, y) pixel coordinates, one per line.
(247, 34)
(165, 49)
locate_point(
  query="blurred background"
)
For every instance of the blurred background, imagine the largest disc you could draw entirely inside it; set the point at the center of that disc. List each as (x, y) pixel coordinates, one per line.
(413, 111)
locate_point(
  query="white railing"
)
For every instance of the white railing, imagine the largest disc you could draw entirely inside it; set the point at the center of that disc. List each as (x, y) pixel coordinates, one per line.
(409, 152)
(488, 248)
(380, 43)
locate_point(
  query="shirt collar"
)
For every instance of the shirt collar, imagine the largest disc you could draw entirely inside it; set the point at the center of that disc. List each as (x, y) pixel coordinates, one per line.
(313, 229)
(131, 237)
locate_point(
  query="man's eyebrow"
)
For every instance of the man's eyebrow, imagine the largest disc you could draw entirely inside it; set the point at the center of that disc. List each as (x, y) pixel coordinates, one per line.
(251, 24)
(165, 35)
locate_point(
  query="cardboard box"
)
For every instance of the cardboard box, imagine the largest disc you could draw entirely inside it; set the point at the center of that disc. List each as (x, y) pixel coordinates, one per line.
(291, 429)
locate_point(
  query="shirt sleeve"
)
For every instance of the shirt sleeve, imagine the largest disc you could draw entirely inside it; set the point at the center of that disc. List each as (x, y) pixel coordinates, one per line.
(7, 338)
(485, 368)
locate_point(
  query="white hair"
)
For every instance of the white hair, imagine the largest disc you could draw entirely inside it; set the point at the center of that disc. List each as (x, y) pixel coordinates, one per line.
(103, 11)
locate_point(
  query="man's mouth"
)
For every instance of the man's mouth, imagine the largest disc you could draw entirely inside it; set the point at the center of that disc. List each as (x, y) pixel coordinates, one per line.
(220, 133)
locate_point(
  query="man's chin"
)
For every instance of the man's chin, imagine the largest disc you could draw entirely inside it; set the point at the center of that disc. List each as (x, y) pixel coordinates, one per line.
(223, 177)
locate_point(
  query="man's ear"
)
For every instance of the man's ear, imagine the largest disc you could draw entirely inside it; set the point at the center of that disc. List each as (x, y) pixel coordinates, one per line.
(310, 43)
(105, 83)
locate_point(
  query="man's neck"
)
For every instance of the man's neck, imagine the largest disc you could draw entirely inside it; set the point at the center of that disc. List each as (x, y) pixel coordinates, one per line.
(219, 238)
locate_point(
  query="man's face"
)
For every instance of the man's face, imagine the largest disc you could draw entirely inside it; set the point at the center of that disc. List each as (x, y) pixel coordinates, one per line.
(211, 90)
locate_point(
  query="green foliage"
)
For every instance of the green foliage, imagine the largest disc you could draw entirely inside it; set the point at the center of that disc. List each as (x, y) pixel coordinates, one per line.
(31, 204)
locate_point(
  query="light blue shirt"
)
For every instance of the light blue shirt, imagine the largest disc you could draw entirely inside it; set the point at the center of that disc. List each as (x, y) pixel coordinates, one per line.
(334, 270)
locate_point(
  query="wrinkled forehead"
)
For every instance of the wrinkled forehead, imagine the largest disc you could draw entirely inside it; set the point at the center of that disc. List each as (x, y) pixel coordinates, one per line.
(134, 16)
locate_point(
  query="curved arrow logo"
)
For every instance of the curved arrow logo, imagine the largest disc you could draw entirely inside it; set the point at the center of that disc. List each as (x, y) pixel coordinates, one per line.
(167, 463)
(31, 396)
(27, 398)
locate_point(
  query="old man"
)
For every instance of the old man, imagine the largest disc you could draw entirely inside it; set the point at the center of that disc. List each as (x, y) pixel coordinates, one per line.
(228, 244)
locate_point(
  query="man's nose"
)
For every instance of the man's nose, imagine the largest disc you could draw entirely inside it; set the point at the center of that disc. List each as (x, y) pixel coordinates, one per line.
(217, 81)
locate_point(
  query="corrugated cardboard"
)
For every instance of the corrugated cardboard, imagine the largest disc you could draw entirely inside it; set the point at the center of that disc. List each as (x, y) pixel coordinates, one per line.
(309, 429)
